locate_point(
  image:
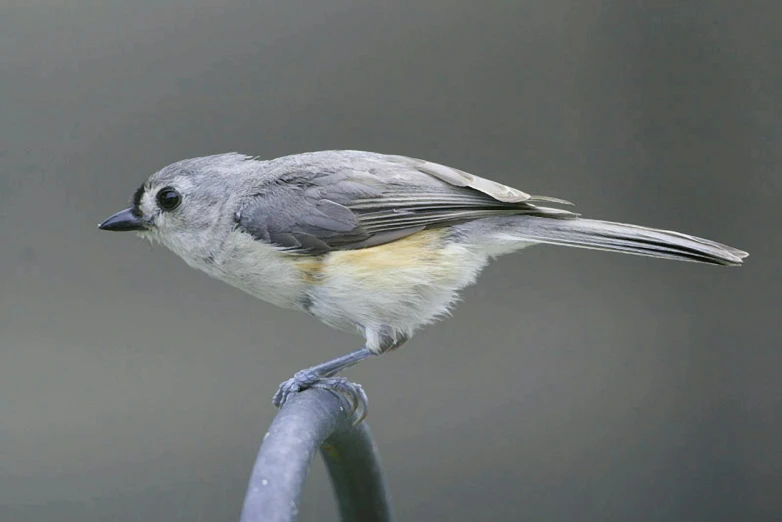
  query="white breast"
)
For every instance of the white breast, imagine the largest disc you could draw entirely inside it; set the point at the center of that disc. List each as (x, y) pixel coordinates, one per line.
(257, 268)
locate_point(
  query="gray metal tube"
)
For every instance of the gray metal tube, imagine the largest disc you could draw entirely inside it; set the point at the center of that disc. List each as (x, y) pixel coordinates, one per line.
(310, 420)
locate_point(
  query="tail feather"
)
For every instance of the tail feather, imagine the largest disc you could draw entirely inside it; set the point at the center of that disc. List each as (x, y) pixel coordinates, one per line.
(628, 239)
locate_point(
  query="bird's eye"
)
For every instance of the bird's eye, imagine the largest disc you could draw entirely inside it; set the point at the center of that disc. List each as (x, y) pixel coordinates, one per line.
(168, 199)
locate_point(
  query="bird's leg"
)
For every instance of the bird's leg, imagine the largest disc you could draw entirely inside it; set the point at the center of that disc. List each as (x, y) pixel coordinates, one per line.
(324, 376)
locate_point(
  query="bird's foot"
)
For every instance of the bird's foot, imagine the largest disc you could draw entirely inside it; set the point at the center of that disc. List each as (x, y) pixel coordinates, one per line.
(305, 379)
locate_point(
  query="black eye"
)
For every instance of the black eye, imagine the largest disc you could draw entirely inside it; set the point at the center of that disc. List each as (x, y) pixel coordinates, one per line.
(168, 198)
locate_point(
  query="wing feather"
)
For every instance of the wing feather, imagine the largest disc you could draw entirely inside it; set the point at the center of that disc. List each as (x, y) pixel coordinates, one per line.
(334, 200)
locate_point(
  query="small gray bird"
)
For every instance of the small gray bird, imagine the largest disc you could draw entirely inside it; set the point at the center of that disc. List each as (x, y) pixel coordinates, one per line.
(368, 243)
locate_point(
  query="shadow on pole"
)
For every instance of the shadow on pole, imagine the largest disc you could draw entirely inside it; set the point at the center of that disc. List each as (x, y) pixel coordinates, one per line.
(311, 420)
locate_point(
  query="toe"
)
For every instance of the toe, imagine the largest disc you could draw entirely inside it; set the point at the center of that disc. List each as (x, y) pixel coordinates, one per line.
(284, 391)
(353, 392)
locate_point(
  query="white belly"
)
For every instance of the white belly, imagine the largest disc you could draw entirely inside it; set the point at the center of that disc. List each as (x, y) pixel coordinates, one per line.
(384, 292)
(395, 288)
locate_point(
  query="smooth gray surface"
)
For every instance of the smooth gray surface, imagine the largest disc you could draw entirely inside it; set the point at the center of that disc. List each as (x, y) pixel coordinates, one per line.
(313, 420)
(568, 384)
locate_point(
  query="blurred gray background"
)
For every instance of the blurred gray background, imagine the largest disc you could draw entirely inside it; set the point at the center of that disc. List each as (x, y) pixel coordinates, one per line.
(568, 385)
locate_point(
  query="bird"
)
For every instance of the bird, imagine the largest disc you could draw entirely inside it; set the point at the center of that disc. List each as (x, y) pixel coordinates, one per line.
(375, 244)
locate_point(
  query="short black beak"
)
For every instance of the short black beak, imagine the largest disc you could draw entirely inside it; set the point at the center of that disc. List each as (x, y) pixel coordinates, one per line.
(123, 221)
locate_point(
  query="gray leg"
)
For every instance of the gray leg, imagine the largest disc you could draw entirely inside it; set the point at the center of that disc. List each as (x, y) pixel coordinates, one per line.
(323, 376)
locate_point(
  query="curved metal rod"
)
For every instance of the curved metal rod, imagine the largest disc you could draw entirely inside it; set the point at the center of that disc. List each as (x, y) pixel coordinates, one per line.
(312, 419)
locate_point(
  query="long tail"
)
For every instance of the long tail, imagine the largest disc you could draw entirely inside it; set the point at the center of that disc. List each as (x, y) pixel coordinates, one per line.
(620, 237)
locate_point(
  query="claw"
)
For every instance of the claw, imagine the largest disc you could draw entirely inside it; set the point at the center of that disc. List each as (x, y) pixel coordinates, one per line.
(304, 379)
(363, 402)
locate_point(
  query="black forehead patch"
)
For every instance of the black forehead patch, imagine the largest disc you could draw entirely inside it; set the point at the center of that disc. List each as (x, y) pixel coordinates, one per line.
(137, 201)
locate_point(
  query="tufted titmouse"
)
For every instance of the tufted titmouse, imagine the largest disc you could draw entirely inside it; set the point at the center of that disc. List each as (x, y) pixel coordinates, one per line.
(367, 243)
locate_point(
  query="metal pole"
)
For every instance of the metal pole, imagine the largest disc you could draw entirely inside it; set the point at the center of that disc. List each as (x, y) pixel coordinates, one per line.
(310, 420)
